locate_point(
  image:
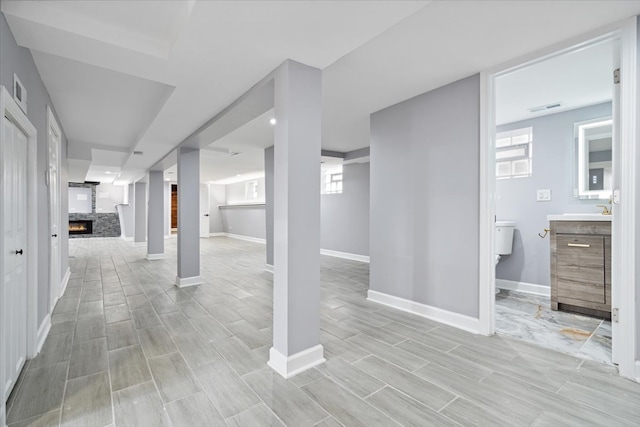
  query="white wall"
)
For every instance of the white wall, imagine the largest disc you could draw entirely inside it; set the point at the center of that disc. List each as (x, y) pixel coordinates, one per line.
(107, 196)
(237, 193)
(217, 197)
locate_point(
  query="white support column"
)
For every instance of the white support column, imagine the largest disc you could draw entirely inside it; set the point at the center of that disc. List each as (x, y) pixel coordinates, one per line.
(140, 215)
(188, 217)
(155, 220)
(296, 293)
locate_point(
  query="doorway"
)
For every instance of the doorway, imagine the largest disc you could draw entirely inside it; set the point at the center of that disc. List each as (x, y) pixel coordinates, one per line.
(174, 208)
(622, 245)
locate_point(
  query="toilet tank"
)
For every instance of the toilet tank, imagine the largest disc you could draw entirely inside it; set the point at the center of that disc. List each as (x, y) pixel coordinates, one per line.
(504, 237)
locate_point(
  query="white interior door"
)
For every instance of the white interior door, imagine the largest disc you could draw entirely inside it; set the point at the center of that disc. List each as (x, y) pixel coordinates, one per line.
(13, 155)
(204, 210)
(54, 210)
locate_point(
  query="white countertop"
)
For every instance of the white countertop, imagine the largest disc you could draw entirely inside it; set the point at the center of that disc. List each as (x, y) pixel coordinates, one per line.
(579, 217)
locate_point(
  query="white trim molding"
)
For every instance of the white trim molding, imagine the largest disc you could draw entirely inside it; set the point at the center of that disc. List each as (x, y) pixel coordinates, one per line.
(216, 234)
(3, 414)
(268, 268)
(65, 282)
(246, 238)
(185, 282)
(637, 371)
(450, 318)
(297, 363)
(155, 257)
(126, 239)
(139, 244)
(527, 288)
(345, 255)
(43, 332)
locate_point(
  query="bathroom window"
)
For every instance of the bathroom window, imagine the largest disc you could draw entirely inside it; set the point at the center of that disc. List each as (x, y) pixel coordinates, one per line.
(331, 179)
(514, 153)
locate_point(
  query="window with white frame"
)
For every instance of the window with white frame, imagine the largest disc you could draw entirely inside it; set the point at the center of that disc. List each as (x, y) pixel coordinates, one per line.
(331, 179)
(514, 153)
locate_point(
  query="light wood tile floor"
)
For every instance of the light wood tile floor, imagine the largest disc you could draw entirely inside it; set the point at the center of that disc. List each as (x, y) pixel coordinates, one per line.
(127, 348)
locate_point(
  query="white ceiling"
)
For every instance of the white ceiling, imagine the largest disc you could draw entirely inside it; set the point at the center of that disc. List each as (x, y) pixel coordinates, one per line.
(202, 55)
(576, 79)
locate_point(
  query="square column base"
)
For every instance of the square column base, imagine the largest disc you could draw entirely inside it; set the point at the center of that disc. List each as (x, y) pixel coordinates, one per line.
(185, 282)
(139, 244)
(297, 363)
(154, 257)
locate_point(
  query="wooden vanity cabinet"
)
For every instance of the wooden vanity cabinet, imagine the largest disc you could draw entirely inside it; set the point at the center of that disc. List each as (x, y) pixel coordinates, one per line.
(581, 267)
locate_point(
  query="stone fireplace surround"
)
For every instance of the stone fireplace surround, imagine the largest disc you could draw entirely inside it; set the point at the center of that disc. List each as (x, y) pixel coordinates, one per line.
(104, 224)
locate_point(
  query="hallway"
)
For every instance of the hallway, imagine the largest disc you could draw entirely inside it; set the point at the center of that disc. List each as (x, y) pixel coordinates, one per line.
(127, 348)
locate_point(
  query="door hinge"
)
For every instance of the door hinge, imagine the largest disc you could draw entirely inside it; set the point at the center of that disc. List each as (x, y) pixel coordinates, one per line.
(615, 315)
(616, 76)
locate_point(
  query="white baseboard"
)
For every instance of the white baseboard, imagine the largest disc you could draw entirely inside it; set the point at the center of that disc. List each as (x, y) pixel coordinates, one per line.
(216, 234)
(154, 257)
(450, 318)
(247, 238)
(126, 239)
(296, 363)
(637, 373)
(527, 288)
(345, 255)
(268, 268)
(139, 244)
(65, 282)
(185, 282)
(3, 414)
(43, 331)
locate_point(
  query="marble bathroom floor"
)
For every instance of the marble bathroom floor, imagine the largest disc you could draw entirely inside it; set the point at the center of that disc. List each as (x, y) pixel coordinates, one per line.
(530, 318)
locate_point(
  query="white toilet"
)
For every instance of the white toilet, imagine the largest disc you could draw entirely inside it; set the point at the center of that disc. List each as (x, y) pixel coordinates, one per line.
(503, 240)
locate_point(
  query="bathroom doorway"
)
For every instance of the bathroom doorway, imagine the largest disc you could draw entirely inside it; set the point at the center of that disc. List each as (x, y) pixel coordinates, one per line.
(537, 115)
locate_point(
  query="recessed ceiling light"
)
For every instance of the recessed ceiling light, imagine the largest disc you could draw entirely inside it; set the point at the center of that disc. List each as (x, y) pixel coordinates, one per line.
(272, 120)
(239, 174)
(108, 172)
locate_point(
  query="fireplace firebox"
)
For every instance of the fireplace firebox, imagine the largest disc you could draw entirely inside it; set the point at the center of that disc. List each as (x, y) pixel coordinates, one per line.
(80, 227)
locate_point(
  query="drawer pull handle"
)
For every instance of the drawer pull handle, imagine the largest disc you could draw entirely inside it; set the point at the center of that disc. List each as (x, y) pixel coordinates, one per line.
(578, 245)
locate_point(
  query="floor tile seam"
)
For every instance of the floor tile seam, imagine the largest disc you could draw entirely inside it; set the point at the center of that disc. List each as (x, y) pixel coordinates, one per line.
(593, 408)
(262, 402)
(345, 390)
(66, 382)
(194, 376)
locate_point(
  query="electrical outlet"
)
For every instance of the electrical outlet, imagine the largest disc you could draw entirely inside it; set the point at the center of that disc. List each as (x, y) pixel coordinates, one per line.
(544, 195)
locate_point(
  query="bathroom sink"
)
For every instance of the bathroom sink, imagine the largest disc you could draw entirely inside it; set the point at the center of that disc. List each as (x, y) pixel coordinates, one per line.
(579, 217)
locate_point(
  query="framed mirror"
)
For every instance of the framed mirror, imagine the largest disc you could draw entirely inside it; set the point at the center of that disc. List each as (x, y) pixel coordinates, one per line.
(594, 160)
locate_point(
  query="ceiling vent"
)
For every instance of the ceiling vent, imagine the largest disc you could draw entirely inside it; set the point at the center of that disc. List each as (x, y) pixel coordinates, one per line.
(234, 153)
(138, 153)
(545, 107)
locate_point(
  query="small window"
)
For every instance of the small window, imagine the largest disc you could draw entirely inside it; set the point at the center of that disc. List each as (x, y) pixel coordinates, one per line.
(251, 190)
(514, 153)
(331, 179)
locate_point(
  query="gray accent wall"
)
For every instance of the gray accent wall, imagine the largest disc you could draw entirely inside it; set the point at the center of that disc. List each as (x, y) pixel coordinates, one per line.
(344, 218)
(18, 60)
(268, 191)
(245, 221)
(553, 168)
(424, 243)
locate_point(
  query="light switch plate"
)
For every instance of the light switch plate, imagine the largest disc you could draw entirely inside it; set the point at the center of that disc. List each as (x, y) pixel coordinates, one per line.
(544, 195)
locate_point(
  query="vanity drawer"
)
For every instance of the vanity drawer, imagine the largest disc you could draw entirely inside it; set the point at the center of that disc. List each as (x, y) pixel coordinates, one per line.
(581, 251)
